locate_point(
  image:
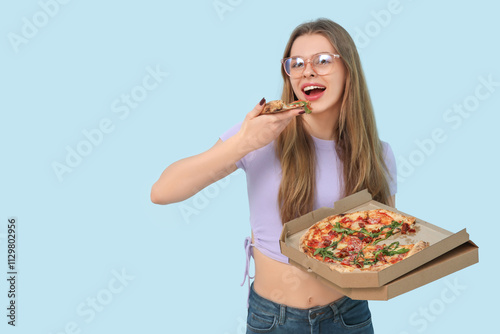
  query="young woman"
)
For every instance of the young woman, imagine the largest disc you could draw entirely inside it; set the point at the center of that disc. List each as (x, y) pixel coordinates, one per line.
(296, 163)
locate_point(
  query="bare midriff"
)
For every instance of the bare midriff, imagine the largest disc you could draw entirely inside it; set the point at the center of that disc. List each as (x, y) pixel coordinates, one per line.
(285, 284)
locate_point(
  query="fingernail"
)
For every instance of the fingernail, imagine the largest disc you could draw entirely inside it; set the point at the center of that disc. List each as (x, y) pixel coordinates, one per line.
(302, 112)
(262, 101)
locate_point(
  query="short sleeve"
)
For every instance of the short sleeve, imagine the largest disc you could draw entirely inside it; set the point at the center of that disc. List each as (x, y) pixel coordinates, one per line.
(390, 162)
(228, 134)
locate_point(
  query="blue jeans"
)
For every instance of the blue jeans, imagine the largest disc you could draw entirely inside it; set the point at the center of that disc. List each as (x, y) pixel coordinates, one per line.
(342, 316)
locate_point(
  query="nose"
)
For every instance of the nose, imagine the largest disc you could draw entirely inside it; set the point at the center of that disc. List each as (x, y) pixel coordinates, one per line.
(309, 70)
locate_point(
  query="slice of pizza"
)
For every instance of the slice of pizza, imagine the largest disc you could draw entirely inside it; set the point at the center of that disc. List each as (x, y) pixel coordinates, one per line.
(378, 257)
(278, 106)
(381, 217)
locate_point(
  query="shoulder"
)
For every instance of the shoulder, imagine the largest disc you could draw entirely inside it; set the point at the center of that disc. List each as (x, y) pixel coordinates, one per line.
(390, 162)
(387, 152)
(386, 147)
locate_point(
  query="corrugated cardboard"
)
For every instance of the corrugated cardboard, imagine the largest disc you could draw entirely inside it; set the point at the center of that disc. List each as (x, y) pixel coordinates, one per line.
(375, 285)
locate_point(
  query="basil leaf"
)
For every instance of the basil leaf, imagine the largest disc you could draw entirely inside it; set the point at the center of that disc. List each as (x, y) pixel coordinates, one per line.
(394, 245)
(338, 228)
(370, 234)
(400, 251)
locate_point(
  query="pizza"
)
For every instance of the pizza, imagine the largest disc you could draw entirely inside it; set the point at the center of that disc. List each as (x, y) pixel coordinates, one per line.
(358, 240)
(277, 106)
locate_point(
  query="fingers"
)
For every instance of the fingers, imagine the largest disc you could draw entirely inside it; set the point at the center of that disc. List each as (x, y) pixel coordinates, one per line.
(280, 116)
(258, 131)
(257, 109)
(289, 114)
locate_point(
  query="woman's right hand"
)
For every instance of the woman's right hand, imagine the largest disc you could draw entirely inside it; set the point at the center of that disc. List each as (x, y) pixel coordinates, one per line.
(259, 130)
(186, 177)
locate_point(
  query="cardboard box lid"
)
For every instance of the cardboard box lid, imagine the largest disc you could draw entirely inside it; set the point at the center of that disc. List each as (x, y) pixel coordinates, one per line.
(441, 241)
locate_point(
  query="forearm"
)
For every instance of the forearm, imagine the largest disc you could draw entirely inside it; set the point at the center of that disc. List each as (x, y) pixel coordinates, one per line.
(186, 177)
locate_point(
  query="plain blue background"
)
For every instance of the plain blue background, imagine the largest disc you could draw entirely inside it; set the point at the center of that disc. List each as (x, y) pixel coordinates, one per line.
(79, 231)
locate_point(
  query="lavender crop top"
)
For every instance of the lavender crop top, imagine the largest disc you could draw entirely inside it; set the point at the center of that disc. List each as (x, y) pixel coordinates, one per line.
(263, 173)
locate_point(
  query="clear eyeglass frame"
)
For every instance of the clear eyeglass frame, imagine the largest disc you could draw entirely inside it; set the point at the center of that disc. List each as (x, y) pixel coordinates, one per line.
(318, 70)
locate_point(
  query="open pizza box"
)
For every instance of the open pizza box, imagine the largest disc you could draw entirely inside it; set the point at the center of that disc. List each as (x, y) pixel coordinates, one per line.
(448, 252)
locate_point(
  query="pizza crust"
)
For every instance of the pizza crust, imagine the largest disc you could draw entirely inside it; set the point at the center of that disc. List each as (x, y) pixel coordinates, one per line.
(420, 245)
(340, 268)
(273, 107)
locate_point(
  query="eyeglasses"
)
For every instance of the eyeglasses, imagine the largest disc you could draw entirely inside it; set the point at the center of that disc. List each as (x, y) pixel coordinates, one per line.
(322, 64)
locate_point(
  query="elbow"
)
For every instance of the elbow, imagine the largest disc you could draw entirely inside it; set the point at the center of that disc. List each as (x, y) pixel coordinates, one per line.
(156, 196)
(167, 192)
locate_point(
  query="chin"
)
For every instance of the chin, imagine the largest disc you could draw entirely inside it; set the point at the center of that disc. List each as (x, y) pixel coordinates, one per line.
(318, 107)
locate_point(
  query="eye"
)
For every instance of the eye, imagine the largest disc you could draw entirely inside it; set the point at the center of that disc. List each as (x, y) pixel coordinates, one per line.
(323, 59)
(297, 63)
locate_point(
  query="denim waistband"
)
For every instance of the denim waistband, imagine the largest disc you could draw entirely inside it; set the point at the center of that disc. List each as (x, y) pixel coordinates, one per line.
(313, 314)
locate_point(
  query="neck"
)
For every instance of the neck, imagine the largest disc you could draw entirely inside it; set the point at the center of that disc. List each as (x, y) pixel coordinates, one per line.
(322, 125)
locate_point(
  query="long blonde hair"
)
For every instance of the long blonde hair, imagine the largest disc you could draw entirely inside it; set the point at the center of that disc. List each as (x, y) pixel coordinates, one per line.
(357, 143)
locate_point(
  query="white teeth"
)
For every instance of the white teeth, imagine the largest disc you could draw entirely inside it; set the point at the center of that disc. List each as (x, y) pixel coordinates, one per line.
(308, 88)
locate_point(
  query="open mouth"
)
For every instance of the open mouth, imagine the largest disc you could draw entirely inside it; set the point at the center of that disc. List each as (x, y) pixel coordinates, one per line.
(313, 92)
